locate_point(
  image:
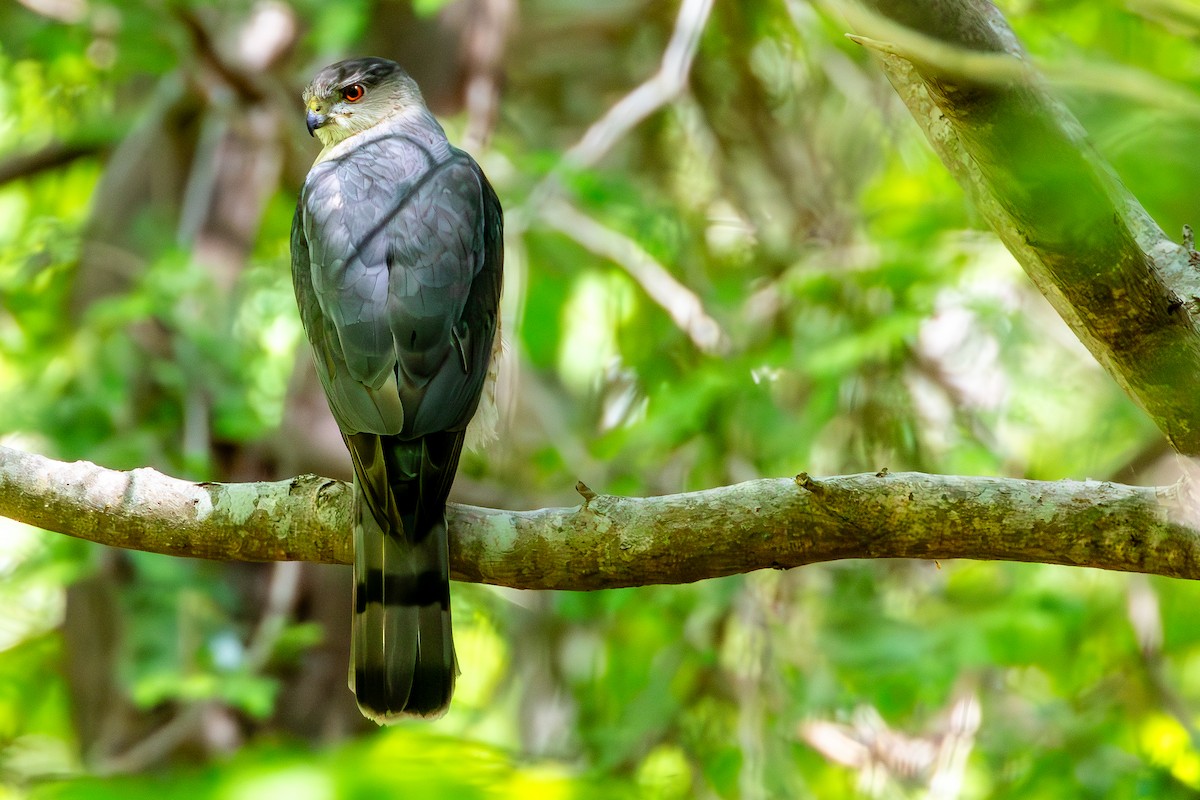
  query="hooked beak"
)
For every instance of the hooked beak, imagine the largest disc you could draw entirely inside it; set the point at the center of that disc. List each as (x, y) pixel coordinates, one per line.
(314, 120)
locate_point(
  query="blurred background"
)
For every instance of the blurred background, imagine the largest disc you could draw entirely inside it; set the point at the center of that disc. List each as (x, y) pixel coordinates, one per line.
(730, 255)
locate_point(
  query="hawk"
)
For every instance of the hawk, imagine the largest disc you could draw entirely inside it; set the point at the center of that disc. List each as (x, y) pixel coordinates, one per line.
(397, 259)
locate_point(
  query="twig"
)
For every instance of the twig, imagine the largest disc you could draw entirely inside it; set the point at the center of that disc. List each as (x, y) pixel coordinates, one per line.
(70, 12)
(680, 302)
(1145, 618)
(667, 84)
(157, 745)
(281, 597)
(545, 200)
(49, 157)
(484, 41)
(999, 68)
(243, 84)
(663, 87)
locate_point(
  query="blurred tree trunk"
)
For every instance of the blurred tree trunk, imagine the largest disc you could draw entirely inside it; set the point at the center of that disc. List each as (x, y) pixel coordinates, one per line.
(1129, 293)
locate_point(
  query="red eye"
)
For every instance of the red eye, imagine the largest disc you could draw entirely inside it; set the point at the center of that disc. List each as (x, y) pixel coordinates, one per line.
(353, 93)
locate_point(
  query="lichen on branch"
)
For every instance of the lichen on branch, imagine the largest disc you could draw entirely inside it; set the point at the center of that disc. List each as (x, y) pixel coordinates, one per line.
(611, 541)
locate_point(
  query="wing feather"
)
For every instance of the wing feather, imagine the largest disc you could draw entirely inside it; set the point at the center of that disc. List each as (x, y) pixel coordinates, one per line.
(403, 272)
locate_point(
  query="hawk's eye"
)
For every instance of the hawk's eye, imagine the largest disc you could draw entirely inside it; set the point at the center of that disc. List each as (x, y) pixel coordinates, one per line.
(353, 93)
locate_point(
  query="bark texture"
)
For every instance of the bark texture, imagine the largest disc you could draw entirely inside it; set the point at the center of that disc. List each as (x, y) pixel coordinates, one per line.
(610, 542)
(1129, 293)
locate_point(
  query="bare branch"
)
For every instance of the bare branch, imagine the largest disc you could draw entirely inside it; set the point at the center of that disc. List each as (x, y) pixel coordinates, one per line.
(485, 37)
(545, 201)
(1145, 617)
(158, 744)
(624, 541)
(50, 157)
(659, 90)
(67, 11)
(680, 302)
(243, 84)
(304, 519)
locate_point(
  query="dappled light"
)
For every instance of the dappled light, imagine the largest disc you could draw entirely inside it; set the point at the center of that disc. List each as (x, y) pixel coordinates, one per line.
(731, 256)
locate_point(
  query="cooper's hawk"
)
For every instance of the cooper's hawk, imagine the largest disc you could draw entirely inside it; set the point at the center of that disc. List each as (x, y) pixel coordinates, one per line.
(397, 258)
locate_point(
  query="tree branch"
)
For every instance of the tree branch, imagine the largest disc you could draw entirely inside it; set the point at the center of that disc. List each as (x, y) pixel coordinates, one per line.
(1126, 290)
(681, 303)
(624, 541)
(546, 199)
(50, 157)
(663, 87)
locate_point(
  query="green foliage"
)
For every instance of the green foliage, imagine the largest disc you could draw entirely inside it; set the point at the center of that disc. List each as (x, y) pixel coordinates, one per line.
(396, 763)
(871, 322)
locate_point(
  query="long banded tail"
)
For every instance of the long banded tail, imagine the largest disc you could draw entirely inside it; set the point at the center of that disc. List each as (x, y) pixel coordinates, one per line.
(402, 651)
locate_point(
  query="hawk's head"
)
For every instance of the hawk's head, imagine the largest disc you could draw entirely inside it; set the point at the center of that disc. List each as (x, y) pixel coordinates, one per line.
(351, 96)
